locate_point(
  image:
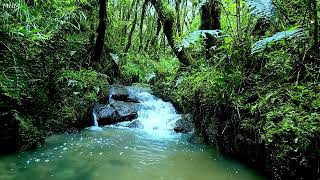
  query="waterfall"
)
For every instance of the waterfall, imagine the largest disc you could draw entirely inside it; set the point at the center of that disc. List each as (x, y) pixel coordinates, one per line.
(95, 126)
(154, 113)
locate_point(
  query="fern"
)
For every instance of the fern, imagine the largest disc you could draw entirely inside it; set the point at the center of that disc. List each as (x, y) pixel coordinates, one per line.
(289, 34)
(196, 36)
(261, 8)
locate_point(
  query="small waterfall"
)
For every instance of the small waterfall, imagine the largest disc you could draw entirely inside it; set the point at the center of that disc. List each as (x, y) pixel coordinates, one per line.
(95, 126)
(154, 113)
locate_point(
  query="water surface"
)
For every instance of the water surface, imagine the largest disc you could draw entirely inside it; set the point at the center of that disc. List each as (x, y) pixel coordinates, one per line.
(122, 154)
(154, 152)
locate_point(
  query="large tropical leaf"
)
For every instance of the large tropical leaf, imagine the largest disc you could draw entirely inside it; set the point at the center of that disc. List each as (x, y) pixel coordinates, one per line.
(261, 8)
(289, 34)
(196, 36)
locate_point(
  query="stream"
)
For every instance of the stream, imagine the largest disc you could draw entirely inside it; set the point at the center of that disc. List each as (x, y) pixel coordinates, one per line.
(120, 153)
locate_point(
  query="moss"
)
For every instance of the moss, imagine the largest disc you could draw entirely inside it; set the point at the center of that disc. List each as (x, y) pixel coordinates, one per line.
(270, 123)
(80, 90)
(29, 136)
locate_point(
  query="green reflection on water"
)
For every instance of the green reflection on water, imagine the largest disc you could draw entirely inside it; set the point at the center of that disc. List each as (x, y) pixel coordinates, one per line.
(121, 154)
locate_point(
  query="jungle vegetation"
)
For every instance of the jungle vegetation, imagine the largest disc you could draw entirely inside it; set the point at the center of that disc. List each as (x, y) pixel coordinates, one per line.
(248, 70)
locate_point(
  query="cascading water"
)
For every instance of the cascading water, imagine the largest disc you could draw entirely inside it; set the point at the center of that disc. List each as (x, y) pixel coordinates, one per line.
(154, 113)
(95, 126)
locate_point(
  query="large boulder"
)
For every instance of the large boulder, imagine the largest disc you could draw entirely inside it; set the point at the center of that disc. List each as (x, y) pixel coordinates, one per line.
(107, 112)
(127, 111)
(184, 125)
(121, 93)
(117, 111)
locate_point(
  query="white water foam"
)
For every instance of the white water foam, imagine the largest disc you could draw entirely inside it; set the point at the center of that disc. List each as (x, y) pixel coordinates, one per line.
(155, 114)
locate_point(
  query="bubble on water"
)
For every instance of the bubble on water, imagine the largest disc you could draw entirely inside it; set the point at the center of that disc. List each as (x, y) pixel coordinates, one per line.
(121, 153)
(100, 153)
(37, 160)
(126, 147)
(60, 156)
(55, 148)
(65, 148)
(47, 160)
(64, 144)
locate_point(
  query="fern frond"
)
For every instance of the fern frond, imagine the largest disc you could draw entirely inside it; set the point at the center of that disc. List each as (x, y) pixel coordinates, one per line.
(289, 34)
(197, 36)
(261, 8)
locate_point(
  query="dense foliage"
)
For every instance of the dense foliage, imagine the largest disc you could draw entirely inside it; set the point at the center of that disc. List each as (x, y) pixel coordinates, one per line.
(248, 70)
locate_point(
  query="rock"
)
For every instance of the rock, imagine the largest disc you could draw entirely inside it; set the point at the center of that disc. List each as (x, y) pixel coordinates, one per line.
(107, 112)
(136, 124)
(119, 93)
(126, 111)
(117, 112)
(184, 125)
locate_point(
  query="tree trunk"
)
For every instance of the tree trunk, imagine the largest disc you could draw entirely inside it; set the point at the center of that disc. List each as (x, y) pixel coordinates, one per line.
(178, 23)
(101, 31)
(167, 19)
(210, 20)
(316, 45)
(154, 41)
(132, 28)
(238, 11)
(143, 14)
(128, 16)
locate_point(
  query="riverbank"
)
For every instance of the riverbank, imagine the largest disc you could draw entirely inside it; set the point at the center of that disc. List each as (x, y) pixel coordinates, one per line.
(271, 128)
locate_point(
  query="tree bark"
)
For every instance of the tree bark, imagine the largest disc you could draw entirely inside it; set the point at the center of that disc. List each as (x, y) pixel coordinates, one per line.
(210, 20)
(132, 28)
(101, 31)
(143, 14)
(238, 11)
(178, 23)
(154, 41)
(316, 45)
(128, 16)
(167, 19)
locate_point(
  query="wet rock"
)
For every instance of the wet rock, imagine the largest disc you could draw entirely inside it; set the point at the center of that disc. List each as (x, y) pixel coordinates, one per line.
(119, 93)
(107, 112)
(126, 111)
(116, 112)
(184, 125)
(136, 124)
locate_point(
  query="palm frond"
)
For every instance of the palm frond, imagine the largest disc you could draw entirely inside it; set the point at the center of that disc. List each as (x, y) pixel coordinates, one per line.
(261, 8)
(289, 34)
(197, 36)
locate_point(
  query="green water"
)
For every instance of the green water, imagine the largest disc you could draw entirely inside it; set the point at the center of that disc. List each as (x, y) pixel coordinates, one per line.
(122, 154)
